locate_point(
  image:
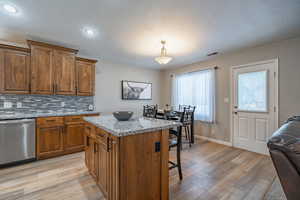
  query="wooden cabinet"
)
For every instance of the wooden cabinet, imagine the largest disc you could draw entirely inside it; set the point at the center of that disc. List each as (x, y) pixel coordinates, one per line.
(74, 137)
(131, 167)
(45, 69)
(60, 135)
(97, 155)
(65, 74)
(85, 70)
(14, 70)
(42, 70)
(103, 142)
(74, 133)
(52, 69)
(89, 147)
(49, 137)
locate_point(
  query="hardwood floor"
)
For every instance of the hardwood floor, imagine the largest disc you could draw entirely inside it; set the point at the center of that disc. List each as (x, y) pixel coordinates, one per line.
(211, 171)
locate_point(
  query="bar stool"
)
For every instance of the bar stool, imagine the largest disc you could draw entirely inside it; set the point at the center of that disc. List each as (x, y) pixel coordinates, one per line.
(176, 141)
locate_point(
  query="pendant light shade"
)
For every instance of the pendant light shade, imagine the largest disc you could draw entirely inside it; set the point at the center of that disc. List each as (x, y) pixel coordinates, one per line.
(163, 58)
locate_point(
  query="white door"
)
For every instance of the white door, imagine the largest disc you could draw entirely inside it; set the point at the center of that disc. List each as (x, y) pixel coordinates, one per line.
(254, 105)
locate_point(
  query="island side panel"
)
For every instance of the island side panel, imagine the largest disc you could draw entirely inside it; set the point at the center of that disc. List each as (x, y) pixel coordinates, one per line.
(114, 169)
(165, 164)
(141, 166)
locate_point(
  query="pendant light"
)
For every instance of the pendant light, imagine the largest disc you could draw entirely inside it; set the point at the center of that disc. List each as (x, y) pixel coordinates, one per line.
(163, 58)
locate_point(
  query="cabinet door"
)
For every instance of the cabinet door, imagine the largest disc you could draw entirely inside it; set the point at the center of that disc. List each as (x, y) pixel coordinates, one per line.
(85, 78)
(114, 169)
(14, 72)
(74, 137)
(42, 70)
(94, 160)
(49, 141)
(65, 74)
(103, 168)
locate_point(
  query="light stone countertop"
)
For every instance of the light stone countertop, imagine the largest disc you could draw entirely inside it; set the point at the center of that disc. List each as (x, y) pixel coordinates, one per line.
(44, 114)
(134, 126)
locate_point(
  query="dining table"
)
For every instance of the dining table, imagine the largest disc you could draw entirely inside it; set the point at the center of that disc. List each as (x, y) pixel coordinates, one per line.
(172, 115)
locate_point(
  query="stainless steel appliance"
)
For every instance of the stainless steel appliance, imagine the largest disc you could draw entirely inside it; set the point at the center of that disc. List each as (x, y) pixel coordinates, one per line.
(17, 141)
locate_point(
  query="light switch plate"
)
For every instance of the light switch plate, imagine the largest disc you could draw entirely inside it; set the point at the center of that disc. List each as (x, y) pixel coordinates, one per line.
(7, 104)
(226, 100)
(62, 104)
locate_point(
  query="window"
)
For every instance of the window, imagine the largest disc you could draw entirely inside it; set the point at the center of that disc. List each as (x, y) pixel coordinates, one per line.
(252, 91)
(198, 89)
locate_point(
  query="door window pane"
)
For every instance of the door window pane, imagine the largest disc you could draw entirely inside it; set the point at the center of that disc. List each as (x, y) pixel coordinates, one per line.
(252, 91)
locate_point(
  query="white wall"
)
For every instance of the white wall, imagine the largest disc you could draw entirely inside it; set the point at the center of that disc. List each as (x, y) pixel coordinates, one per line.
(108, 87)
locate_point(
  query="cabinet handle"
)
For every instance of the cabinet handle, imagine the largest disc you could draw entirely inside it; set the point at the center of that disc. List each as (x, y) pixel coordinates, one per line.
(95, 148)
(87, 141)
(51, 120)
(110, 142)
(108, 145)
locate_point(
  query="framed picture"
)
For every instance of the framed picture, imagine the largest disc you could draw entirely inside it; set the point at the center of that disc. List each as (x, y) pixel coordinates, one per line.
(132, 90)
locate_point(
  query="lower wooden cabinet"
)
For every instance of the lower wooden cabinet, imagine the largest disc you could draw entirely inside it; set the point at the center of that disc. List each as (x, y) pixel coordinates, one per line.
(103, 167)
(99, 153)
(130, 167)
(74, 137)
(50, 141)
(59, 136)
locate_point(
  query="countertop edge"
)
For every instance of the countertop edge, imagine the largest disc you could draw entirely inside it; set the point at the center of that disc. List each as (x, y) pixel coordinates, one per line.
(25, 116)
(128, 133)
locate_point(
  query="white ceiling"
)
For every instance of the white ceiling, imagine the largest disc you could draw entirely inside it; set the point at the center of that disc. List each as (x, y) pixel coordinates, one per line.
(129, 31)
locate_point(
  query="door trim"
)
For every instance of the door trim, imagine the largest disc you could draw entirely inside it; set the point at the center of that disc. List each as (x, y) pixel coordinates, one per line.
(276, 66)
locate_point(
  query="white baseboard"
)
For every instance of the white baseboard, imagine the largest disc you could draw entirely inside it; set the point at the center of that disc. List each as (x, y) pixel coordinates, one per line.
(214, 140)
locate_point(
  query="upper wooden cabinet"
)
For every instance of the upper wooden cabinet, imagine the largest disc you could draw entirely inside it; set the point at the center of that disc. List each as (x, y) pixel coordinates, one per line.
(52, 69)
(45, 69)
(85, 69)
(42, 70)
(14, 70)
(65, 73)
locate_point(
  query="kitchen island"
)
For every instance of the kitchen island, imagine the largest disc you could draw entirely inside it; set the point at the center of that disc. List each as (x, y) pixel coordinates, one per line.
(129, 159)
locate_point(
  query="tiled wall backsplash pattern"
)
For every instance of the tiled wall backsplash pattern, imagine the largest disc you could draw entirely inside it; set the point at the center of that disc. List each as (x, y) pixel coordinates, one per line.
(44, 103)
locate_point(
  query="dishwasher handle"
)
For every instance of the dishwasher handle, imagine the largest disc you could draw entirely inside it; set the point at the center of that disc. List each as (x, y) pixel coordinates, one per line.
(19, 121)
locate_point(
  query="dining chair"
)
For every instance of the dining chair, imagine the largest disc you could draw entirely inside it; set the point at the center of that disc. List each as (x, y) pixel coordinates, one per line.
(150, 111)
(187, 122)
(182, 107)
(175, 140)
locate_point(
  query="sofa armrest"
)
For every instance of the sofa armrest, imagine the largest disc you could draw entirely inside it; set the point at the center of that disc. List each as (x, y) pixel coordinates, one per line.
(288, 175)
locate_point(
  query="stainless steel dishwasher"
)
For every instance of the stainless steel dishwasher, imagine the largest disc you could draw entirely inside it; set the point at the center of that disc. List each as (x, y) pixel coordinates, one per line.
(17, 141)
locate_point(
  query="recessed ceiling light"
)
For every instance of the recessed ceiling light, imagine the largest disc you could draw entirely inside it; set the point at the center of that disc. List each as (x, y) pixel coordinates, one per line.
(89, 32)
(10, 8)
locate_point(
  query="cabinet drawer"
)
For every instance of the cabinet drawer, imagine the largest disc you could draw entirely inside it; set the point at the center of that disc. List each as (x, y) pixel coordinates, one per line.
(73, 119)
(50, 121)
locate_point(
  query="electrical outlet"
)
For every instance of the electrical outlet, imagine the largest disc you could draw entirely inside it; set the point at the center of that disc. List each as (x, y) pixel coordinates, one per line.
(19, 104)
(7, 104)
(62, 104)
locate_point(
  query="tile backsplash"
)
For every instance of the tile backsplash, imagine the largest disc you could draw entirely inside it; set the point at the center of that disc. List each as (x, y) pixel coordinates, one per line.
(43, 103)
